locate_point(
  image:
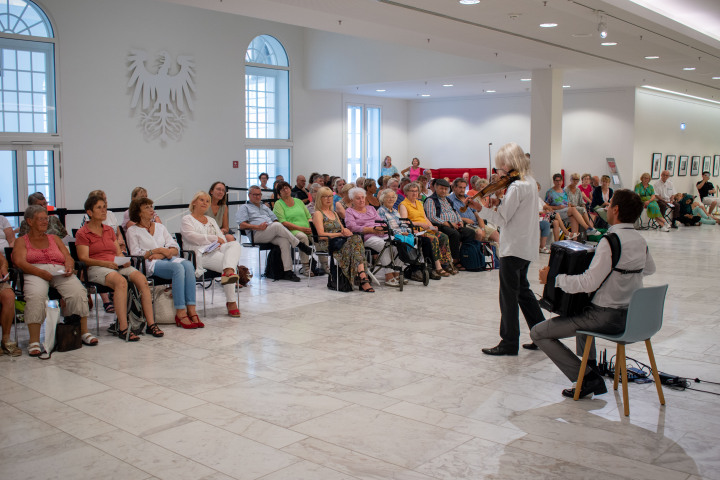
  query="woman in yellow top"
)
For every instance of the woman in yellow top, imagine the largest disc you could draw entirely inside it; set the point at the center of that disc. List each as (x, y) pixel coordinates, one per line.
(439, 245)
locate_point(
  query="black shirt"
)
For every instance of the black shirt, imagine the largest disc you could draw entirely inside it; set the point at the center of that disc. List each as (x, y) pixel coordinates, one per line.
(300, 194)
(705, 189)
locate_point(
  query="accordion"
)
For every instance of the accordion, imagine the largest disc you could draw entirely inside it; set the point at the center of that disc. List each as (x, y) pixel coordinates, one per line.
(571, 258)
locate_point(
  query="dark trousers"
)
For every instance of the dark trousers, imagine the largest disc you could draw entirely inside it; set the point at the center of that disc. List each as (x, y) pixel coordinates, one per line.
(664, 206)
(456, 238)
(515, 292)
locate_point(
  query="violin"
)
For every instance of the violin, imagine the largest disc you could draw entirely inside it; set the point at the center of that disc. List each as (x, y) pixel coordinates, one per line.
(491, 188)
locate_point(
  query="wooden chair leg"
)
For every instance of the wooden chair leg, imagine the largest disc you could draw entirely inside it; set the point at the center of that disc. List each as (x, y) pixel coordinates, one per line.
(583, 366)
(658, 385)
(617, 368)
(623, 366)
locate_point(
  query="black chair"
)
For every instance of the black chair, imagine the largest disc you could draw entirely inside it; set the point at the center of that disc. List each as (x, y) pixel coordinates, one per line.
(92, 287)
(316, 238)
(251, 243)
(207, 276)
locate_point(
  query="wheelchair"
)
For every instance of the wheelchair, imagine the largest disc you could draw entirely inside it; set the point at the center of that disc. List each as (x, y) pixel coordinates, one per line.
(410, 255)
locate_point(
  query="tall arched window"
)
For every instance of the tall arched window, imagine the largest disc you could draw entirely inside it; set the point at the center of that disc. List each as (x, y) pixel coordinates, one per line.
(27, 105)
(267, 108)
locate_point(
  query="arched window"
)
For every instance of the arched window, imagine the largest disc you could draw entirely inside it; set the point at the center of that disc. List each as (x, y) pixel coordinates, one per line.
(267, 108)
(27, 105)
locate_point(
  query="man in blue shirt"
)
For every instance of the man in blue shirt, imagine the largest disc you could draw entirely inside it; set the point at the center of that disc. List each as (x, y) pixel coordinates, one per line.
(457, 199)
(258, 217)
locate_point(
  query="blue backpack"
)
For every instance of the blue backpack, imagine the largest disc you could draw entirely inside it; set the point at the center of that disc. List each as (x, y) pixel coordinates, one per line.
(472, 256)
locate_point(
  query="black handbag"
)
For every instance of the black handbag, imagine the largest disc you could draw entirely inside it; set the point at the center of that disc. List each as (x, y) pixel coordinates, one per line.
(336, 244)
(67, 337)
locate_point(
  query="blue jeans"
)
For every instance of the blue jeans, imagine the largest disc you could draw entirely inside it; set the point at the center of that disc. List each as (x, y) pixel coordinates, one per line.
(544, 228)
(183, 280)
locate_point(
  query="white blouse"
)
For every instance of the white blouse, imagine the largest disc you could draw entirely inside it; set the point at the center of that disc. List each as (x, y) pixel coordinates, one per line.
(196, 234)
(140, 241)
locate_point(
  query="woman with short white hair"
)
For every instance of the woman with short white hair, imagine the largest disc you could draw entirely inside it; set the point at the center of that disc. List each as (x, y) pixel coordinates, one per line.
(200, 233)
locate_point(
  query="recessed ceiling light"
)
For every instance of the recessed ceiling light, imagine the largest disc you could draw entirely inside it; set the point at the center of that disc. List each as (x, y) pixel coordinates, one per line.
(689, 69)
(651, 57)
(425, 95)
(608, 44)
(566, 86)
(548, 25)
(526, 79)
(490, 91)
(469, 2)
(716, 78)
(381, 90)
(448, 85)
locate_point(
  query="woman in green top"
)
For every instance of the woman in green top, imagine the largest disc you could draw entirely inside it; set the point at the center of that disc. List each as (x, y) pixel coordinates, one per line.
(294, 216)
(647, 195)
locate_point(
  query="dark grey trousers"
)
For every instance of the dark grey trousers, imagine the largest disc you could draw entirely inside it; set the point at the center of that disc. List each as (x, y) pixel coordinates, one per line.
(515, 295)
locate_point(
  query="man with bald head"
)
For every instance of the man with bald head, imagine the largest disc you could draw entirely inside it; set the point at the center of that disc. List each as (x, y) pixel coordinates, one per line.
(664, 192)
(299, 191)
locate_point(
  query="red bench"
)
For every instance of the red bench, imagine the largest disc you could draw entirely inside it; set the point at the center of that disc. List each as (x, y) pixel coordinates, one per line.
(453, 173)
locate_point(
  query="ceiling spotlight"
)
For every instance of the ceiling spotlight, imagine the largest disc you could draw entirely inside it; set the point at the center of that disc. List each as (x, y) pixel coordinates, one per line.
(526, 79)
(651, 57)
(689, 69)
(448, 85)
(608, 44)
(425, 95)
(716, 78)
(490, 91)
(469, 2)
(548, 25)
(381, 90)
(566, 86)
(602, 29)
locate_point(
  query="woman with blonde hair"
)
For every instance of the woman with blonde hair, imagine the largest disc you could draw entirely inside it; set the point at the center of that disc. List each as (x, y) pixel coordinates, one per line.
(345, 201)
(517, 217)
(200, 233)
(137, 192)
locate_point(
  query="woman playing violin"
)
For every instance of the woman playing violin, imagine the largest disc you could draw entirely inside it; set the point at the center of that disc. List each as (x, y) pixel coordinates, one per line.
(516, 216)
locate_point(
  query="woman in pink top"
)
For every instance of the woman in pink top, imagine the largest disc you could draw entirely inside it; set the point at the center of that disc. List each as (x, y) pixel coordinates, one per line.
(414, 170)
(47, 263)
(586, 188)
(97, 246)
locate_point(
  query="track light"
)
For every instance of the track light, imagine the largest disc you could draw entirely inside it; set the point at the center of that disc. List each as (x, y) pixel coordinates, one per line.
(602, 29)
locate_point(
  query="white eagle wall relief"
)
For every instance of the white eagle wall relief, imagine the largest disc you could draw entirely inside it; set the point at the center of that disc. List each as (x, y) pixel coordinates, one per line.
(165, 98)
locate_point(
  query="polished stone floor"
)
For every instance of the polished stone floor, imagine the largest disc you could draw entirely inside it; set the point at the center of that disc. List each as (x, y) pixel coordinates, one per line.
(313, 384)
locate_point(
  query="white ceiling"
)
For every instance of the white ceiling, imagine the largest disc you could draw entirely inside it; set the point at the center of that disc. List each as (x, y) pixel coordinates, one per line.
(507, 32)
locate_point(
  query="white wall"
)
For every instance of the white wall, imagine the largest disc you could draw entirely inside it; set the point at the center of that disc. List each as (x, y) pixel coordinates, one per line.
(657, 130)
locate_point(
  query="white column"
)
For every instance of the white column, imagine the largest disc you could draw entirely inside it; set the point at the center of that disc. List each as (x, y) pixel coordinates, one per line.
(546, 125)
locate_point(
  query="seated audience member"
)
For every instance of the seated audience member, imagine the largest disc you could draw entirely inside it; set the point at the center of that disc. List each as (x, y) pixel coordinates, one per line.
(313, 191)
(359, 182)
(412, 209)
(686, 212)
(576, 199)
(55, 226)
(586, 188)
(422, 182)
(601, 198)
(360, 218)
(647, 195)
(7, 235)
(383, 181)
(391, 216)
(441, 213)
(337, 190)
(483, 232)
(200, 231)
(98, 246)
(110, 221)
(279, 178)
(401, 186)
(708, 194)
(545, 221)
(387, 167)
(152, 241)
(258, 217)
(46, 262)
(299, 191)
(351, 257)
(325, 180)
(393, 184)
(218, 209)
(137, 192)
(664, 192)
(342, 204)
(267, 193)
(370, 193)
(557, 199)
(595, 181)
(294, 216)
(608, 310)
(7, 310)
(477, 185)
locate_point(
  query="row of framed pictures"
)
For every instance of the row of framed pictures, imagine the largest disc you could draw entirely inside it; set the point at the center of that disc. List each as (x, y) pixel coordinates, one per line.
(682, 165)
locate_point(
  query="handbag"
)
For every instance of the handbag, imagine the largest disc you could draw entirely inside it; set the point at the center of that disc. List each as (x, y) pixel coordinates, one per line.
(336, 244)
(67, 337)
(163, 305)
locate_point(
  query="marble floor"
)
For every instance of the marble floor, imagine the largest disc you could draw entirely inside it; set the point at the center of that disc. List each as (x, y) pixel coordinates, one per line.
(314, 384)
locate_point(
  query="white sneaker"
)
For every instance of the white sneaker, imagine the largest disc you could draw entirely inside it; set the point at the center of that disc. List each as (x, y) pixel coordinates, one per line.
(591, 231)
(393, 282)
(665, 228)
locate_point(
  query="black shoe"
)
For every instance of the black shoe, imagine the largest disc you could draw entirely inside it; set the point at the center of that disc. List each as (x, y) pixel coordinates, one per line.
(500, 350)
(592, 384)
(304, 248)
(530, 346)
(290, 275)
(434, 276)
(673, 225)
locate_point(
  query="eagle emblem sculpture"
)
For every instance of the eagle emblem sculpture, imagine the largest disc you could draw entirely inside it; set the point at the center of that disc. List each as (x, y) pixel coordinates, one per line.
(165, 98)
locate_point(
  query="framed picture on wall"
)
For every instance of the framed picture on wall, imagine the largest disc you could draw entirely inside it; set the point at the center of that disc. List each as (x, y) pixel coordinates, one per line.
(656, 165)
(716, 166)
(670, 164)
(706, 164)
(695, 166)
(682, 166)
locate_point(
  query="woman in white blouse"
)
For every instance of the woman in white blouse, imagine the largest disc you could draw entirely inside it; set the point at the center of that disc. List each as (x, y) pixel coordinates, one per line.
(7, 236)
(201, 231)
(152, 241)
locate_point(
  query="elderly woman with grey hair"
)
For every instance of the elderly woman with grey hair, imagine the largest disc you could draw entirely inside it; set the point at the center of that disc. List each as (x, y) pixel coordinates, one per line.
(47, 263)
(313, 193)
